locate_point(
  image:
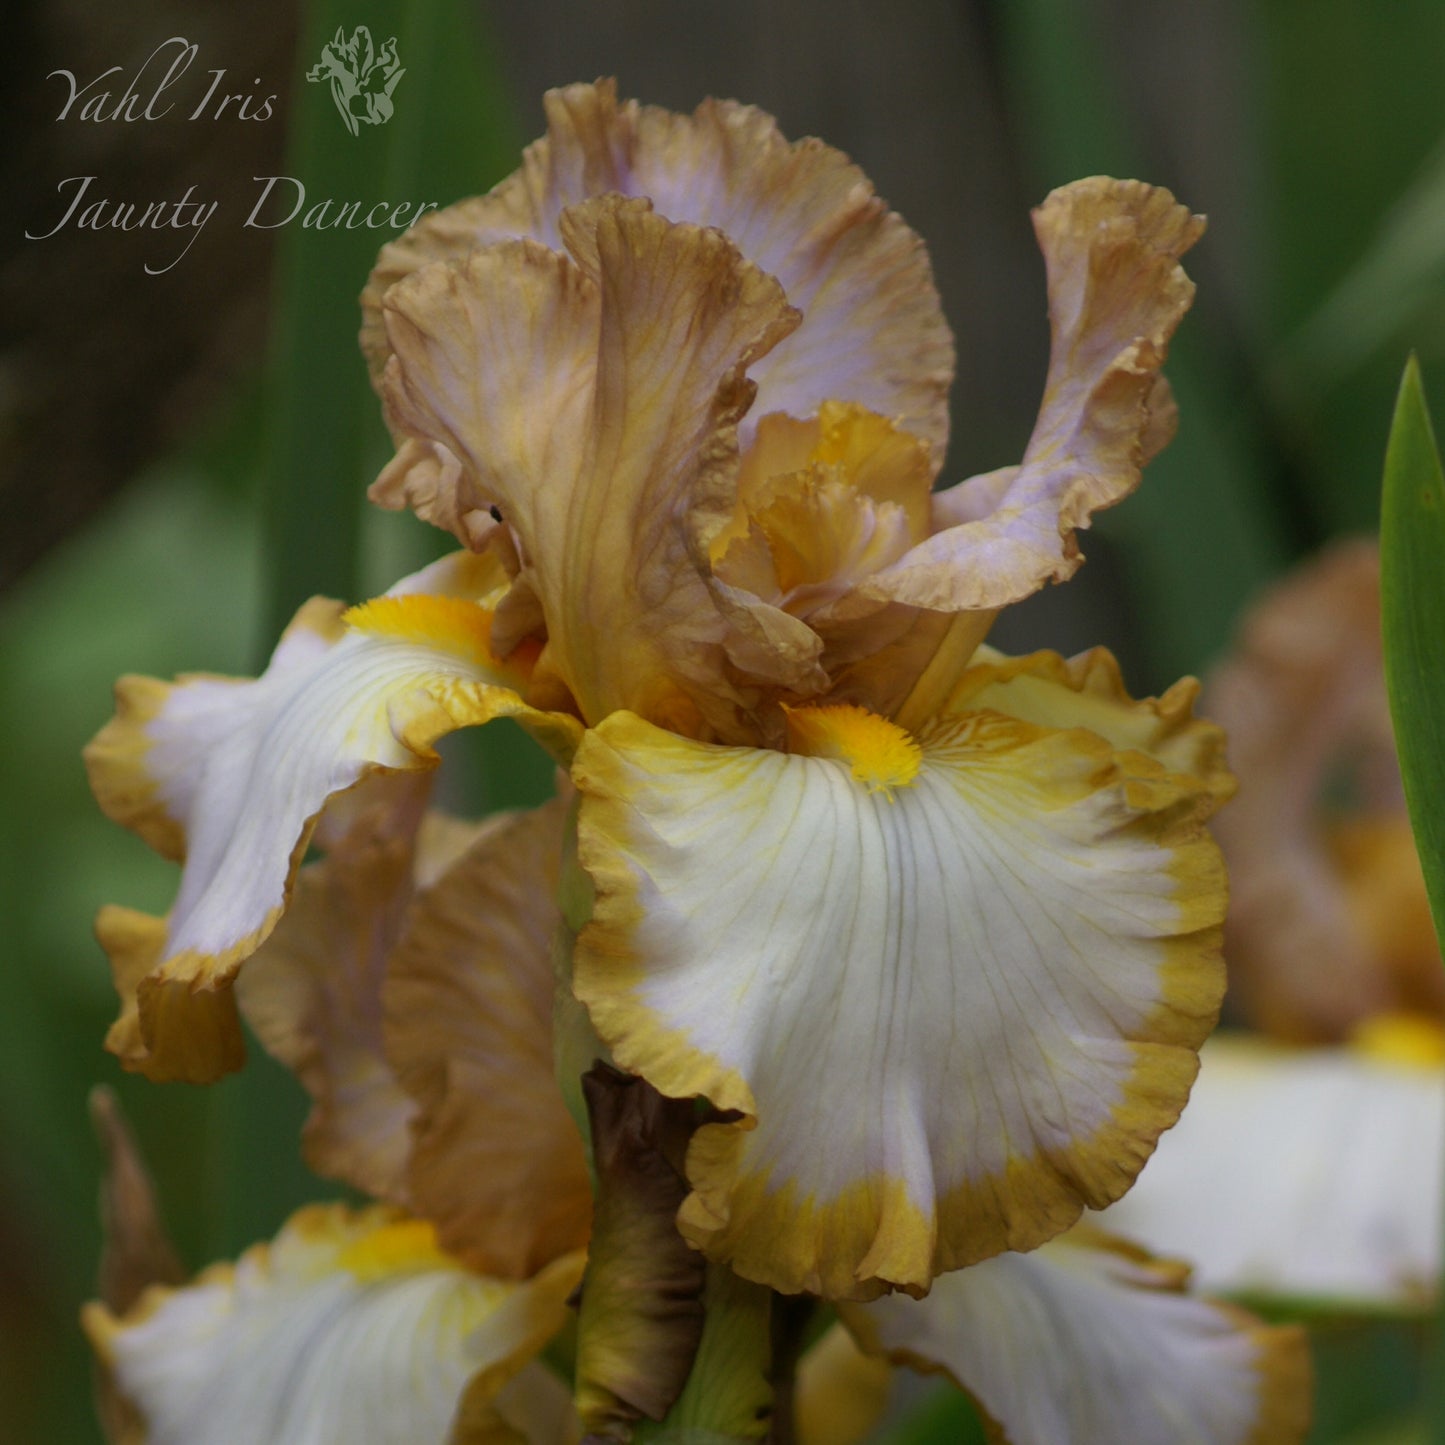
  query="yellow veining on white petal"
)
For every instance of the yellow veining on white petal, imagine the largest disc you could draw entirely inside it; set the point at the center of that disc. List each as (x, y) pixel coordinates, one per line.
(949, 1020)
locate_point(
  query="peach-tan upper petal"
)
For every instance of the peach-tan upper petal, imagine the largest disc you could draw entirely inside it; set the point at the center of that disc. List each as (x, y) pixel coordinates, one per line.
(593, 399)
(873, 331)
(1116, 295)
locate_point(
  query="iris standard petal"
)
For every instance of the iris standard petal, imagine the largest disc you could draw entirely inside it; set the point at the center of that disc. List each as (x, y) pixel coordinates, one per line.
(1116, 294)
(593, 399)
(873, 329)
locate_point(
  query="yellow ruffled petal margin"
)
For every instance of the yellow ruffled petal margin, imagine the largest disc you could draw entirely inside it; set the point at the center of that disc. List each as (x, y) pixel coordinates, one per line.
(951, 1012)
(232, 775)
(1087, 691)
(1088, 1339)
(349, 1326)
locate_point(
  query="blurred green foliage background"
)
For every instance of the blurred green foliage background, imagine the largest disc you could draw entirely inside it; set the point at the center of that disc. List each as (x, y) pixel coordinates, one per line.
(1311, 130)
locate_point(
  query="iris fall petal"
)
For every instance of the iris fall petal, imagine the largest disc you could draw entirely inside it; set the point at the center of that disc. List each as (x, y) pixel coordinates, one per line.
(348, 1327)
(954, 984)
(1348, 1213)
(495, 1159)
(312, 995)
(1088, 1339)
(231, 775)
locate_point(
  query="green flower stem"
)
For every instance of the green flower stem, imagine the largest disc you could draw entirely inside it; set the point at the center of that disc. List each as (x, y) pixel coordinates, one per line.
(729, 1394)
(1412, 603)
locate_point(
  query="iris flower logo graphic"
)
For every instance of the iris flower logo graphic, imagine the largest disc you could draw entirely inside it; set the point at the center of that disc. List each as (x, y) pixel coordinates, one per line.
(362, 77)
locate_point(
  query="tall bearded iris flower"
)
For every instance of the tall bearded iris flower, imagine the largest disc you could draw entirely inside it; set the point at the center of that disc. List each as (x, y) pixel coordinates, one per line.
(934, 932)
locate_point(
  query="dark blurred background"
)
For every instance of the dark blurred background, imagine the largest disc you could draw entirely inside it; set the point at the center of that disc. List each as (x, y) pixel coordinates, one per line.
(162, 436)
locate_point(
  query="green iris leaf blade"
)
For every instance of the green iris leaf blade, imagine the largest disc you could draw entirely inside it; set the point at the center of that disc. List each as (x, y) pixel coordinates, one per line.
(1412, 601)
(1412, 564)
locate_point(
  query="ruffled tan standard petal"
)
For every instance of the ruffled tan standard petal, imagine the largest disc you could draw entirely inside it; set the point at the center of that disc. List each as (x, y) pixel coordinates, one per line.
(1329, 921)
(232, 774)
(312, 995)
(1089, 1340)
(349, 1326)
(873, 330)
(593, 398)
(496, 1161)
(1116, 295)
(1302, 1174)
(491, 387)
(953, 982)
